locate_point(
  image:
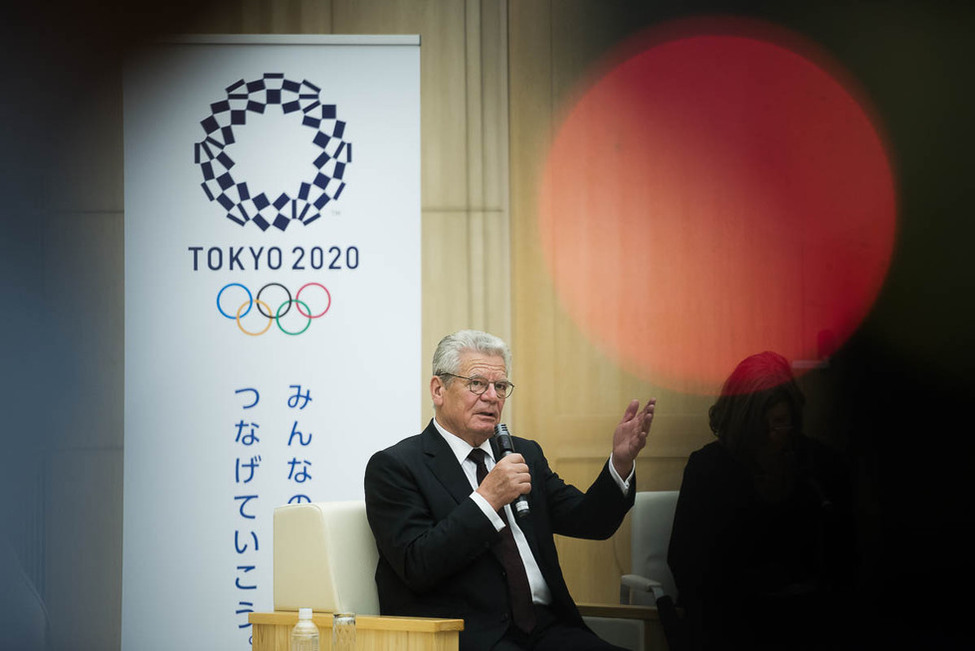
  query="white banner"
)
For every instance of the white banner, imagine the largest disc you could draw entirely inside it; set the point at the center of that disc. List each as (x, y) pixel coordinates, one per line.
(272, 307)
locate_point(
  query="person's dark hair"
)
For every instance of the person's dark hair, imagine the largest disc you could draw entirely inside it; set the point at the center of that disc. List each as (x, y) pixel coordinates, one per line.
(758, 383)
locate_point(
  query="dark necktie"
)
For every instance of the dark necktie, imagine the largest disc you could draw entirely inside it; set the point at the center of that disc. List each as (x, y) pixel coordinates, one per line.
(522, 610)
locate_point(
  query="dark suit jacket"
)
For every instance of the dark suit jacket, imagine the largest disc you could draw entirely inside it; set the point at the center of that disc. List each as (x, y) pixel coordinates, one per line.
(435, 544)
(739, 561)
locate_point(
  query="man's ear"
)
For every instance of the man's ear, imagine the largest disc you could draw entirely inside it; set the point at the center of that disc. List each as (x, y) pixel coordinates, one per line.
(437, 390)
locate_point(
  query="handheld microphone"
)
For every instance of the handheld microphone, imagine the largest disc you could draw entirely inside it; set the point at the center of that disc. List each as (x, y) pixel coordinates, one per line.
(506, 447)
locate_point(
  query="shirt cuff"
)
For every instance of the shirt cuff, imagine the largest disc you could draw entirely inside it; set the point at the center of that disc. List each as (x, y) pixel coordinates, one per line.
(624, 484)
(491, 514)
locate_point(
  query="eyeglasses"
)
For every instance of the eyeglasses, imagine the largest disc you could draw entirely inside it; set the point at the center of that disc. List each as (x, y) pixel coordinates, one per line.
(478, 385)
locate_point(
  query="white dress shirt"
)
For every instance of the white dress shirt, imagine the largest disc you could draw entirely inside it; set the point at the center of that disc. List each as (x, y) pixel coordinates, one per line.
(462, 449)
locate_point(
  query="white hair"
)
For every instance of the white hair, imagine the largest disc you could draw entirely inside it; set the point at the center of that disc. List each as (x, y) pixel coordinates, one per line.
(446, 359)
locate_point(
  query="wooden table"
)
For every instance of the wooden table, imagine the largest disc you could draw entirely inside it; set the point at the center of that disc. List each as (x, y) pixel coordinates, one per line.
(272, 632)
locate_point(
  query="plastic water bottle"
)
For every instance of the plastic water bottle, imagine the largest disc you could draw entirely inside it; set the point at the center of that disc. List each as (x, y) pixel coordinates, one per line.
(304, 636)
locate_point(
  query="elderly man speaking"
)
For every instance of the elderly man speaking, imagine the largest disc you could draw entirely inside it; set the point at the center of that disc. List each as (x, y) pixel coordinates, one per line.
(440, 505)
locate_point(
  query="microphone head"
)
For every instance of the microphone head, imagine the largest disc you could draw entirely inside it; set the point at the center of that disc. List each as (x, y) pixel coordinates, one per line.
(501, 436)
(505, 447)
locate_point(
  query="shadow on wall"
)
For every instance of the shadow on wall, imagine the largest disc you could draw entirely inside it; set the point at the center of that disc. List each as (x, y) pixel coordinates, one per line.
(23, 616)
(56, 58)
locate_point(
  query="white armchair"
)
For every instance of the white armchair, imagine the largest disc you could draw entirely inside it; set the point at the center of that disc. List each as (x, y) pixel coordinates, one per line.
(325, 558)
(651, 581)
(651, 522)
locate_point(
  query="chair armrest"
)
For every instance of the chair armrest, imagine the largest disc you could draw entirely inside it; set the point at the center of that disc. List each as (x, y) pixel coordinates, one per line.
(619, 611)
(641, 583)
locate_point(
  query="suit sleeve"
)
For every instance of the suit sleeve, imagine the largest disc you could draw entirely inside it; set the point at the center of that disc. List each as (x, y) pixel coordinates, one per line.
(421, 548)
(595, 514)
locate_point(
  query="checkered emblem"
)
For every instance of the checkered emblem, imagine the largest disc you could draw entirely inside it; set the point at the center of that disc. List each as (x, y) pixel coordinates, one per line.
(301, 99)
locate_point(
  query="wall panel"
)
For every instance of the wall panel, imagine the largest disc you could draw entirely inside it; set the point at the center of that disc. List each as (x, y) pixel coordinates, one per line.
(577, 392)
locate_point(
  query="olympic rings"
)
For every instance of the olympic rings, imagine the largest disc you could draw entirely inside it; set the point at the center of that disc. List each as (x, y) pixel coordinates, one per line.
(250, 300)
(241, 326)
(327, 293)
(294, 300)
(273, 316)
(288, 302)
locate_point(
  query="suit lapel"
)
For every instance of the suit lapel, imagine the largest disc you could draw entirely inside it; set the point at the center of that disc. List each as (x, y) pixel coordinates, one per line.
(443, 464)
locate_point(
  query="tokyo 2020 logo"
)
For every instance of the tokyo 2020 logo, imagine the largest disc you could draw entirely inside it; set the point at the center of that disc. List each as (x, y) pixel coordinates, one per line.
(315, 305)
(330, 155)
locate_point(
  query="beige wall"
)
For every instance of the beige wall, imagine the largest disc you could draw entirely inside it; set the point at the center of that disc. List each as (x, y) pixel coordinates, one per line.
(575, 394)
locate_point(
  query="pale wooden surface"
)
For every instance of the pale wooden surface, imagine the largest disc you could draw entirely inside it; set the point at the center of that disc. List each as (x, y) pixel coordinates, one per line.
(272, 632)
(576, 394)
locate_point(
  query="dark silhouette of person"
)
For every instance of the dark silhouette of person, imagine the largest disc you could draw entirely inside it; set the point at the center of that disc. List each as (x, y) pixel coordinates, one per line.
(763, 546)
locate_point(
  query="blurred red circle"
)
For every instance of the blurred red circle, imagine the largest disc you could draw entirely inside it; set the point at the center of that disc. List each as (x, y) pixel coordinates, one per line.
(716, 193)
